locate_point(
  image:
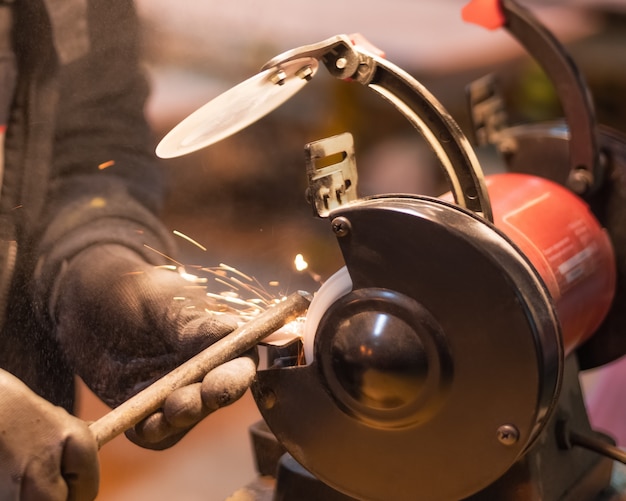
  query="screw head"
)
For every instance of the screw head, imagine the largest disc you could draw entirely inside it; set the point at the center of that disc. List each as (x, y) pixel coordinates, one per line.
(267, 398)
(341, 226)
(508, 434)
(580, 180)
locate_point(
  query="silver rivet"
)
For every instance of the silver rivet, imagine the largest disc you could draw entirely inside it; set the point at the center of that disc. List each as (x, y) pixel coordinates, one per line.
(341, 63)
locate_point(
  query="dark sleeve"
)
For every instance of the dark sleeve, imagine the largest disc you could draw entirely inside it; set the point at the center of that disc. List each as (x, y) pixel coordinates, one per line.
(106, 186)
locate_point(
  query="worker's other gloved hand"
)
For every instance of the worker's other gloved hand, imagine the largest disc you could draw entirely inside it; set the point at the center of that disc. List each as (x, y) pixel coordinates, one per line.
(189, 405)
(124, 323)
(45, 453)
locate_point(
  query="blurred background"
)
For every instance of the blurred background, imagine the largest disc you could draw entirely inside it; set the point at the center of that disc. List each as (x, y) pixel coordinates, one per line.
(243, 198)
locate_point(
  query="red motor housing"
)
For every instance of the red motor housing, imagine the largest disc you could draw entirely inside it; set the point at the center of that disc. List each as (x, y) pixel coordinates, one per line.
(556, 230)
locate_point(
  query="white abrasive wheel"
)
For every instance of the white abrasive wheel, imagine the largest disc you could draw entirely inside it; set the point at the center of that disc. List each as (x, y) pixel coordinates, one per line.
(338, 285)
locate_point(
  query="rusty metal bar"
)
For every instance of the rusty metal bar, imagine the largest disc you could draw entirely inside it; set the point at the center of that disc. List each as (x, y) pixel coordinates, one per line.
(239, 341)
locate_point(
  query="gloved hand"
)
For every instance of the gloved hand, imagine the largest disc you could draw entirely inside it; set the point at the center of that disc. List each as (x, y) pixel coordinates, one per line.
(45, 453)
(123, 323)
(189, 405)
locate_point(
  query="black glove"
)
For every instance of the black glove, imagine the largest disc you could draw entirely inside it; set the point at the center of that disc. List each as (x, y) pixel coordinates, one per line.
(45, 453)
(123, 323)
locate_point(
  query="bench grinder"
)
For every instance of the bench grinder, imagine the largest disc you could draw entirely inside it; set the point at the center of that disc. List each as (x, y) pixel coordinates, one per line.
(441, 363)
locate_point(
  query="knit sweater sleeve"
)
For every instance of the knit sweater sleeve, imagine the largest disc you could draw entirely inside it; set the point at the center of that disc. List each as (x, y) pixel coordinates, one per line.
(106, 186)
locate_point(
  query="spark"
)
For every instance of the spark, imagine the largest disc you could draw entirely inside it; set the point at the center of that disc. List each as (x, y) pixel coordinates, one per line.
(300, 263)
(235, 270)
(229, 299)
(221, 276)
(164, 255)
(245, 297)
(255, 300)
(189, 239)
(224, 282)
(260, 294)
(233, 302)
(106, 165)
(191, 277)
(259, 288)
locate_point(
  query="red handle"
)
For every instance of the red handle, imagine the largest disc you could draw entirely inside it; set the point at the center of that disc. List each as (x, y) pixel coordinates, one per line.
(485, 13)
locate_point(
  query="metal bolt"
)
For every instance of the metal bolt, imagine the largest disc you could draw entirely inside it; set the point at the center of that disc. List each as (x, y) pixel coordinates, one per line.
(580, 180)
(508, 434)
(341, 226)
(279, 77)
(306, 73)
(267, 398)
(341, 63)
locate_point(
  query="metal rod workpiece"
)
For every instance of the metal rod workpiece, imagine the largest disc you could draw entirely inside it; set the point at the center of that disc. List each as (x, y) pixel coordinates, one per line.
(150, 399)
